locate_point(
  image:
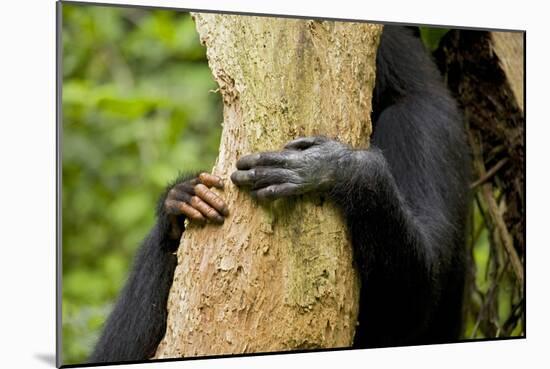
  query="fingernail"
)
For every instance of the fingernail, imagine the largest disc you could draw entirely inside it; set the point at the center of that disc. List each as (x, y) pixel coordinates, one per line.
(225, 211)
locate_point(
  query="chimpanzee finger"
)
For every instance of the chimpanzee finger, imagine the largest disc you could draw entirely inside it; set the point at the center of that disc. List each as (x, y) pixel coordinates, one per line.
(210, 180)
(277, 191)
(182, 191)
(302, 143)
(211, 199)
(263, 177)
(243, 177)
(193, 181)
(174, 207)
(270, 176)
(206, 210)
(283, 159)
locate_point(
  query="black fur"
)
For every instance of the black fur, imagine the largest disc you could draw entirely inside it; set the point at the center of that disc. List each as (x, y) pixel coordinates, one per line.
(405, 201)
(407, 208)
(138, 321)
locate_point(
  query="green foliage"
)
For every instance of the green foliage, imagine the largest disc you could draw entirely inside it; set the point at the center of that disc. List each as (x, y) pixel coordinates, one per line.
(431, 36)
(137, 108)
(491, 296)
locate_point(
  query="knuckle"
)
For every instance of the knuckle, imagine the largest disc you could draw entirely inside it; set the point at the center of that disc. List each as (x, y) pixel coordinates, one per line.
(200, 189)
(185, 187)
(173, 192)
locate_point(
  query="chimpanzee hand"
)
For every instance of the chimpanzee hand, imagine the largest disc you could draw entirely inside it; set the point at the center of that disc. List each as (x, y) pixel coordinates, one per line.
(307, 164)
(193, 200)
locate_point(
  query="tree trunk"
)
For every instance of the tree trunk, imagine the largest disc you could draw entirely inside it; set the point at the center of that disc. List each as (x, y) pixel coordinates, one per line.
(278, 276)
(509, 47)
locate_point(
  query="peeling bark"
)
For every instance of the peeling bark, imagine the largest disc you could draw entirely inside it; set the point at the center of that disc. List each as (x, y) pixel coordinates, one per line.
(279, 276)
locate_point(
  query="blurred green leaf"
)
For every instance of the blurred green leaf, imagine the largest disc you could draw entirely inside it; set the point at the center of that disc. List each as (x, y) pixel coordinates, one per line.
(431, 36)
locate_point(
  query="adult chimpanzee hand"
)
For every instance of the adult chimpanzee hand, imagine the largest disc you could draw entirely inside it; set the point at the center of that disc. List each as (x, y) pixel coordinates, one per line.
(307, 164)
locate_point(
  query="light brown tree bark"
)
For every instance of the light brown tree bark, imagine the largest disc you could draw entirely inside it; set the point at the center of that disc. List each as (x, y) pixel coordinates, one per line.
(509, 47)
(278, 276)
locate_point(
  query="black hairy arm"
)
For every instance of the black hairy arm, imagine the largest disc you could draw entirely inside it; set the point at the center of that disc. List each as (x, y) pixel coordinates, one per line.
(138, 321)
(404, 199)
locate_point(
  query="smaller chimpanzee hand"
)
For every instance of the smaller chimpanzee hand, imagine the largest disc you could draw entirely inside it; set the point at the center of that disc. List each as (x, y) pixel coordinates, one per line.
(193, 199)
(307, 164)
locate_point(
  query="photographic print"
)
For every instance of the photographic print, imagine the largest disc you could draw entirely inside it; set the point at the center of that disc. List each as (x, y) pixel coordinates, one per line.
(235, 184)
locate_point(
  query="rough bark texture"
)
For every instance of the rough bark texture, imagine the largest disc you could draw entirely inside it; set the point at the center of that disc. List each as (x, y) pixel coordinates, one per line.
(279, 276)
(509, 48)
